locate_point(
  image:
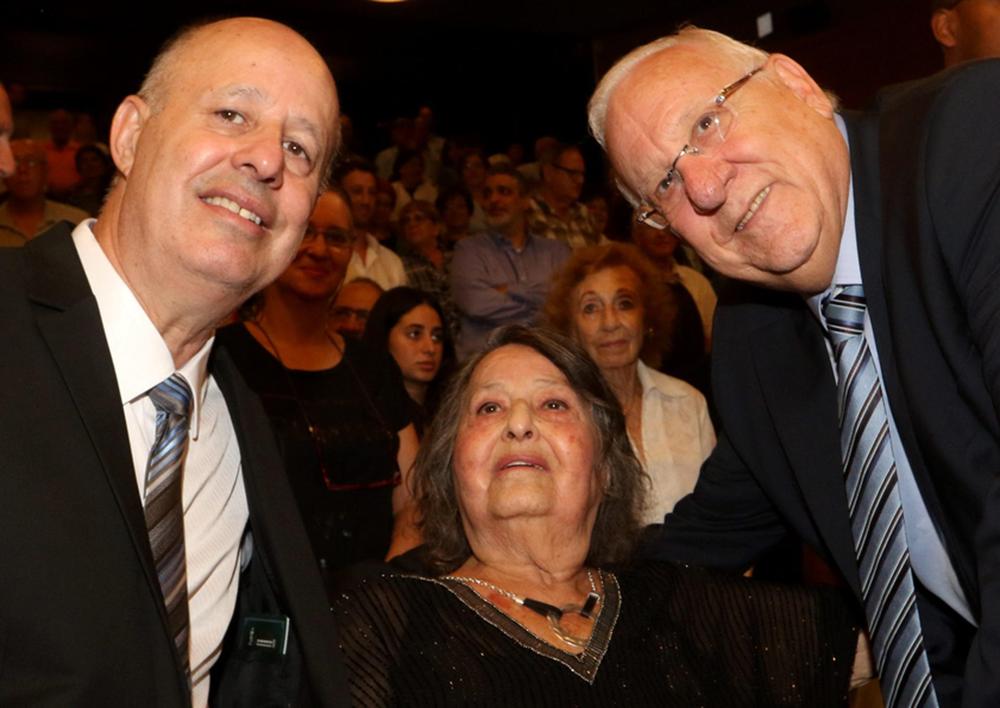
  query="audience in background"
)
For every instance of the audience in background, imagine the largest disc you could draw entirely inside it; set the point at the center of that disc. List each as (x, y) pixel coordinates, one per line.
(352, 305)
(455, 207)
(96, 170)
(428, 144)
(689, 342)
(385, 205)
(369, 258)
(410, 324)
(599, 209)
(410, 181)
(426, 262)
(555, 211)
(501, 276)
(26, 213)
(400, 137)
(60, 152)
(532, 171)
(613, 302)
(472, 168)
(338, 408)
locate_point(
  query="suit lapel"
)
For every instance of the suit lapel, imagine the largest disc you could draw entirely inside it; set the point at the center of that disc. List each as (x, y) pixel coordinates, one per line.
(792, 362)
(70, 323)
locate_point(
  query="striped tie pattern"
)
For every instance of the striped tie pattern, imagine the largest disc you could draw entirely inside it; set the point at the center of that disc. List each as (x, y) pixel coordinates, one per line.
(164, 508)
(875, 509)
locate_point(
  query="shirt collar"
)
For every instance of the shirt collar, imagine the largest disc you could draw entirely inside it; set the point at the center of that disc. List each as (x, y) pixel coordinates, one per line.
(848, 268)
(139, 355)
(500, 240)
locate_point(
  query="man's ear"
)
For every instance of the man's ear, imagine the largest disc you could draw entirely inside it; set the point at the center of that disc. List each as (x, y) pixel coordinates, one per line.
(799, 82)
(943, 26)
(126, 128)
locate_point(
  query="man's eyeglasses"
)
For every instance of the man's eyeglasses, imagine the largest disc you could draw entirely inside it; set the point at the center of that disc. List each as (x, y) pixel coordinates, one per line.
(709, 131)
(334, 237)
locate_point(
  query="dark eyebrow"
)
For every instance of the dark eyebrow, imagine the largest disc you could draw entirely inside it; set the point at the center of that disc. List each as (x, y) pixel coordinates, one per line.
(255, 94)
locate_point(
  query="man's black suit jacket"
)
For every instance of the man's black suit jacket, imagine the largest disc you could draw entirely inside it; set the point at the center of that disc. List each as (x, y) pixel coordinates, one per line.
(82, 620)
(926, 175)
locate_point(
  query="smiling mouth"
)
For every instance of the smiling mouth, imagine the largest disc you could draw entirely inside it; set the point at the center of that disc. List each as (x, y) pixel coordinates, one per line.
(754, 206)
(235, 208)
(521, 463)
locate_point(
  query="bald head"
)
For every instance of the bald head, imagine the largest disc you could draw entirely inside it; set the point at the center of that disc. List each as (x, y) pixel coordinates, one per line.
(221, 158)
(198, 43)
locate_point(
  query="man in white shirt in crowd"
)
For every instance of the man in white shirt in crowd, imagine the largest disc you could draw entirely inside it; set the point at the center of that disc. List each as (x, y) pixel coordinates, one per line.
(370, 259)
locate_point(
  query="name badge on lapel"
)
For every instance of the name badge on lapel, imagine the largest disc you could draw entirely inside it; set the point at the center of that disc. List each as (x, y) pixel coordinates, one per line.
(265, 635)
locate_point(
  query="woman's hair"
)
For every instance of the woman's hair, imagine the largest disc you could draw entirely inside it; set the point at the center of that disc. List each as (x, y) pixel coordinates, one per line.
(658, 308)
(424, 207)
(454, 193)
(617, 526)
(404, 156)
(388, 310)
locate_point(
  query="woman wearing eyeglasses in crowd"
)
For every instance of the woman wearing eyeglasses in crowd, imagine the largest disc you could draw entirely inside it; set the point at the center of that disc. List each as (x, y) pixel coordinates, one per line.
(339, 409)
(410, 324)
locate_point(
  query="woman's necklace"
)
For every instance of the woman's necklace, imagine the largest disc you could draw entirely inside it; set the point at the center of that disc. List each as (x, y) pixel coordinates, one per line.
(552, 613)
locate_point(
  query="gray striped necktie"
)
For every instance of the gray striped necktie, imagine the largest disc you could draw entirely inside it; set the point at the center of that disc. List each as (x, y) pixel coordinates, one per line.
(875, 509)
(164, 507)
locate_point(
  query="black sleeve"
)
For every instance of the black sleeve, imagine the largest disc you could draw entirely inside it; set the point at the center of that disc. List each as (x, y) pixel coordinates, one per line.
(782, 645)
(383, 382)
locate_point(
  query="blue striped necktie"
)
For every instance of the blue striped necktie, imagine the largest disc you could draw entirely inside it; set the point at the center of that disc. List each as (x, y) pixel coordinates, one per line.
(875, 509)
(164, 505)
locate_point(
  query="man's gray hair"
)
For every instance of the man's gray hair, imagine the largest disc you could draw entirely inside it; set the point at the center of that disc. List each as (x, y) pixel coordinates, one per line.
(597, 109)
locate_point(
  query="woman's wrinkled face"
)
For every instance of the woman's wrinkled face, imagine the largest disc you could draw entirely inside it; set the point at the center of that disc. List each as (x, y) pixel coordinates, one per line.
(526, 447)
(608, 316)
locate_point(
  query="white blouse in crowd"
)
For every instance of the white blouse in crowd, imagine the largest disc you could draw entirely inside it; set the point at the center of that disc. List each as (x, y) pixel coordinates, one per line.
(677, 436)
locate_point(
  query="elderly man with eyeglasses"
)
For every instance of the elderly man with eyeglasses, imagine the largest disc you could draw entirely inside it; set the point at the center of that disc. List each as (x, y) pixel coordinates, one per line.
(856, 367)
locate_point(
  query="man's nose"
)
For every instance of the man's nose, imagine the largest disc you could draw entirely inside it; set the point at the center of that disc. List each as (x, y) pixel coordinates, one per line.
(263, 155)
(705, 179)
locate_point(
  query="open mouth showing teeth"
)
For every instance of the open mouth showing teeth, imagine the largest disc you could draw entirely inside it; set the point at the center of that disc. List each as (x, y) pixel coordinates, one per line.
(521, 463)
(753, 208)
(235, 208)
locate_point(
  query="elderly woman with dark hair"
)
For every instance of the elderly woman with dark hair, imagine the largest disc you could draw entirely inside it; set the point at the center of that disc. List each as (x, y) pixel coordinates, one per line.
(611, 301)
(529, 496)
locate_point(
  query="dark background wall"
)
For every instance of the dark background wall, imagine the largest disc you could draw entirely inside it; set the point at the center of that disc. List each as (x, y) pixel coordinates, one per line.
(502, 70)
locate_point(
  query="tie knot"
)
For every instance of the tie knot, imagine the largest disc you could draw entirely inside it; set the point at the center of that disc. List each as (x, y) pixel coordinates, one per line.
(173, 395)
(844, 311)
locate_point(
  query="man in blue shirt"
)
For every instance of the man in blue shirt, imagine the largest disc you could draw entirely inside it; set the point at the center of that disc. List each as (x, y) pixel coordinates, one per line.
(502, 276)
